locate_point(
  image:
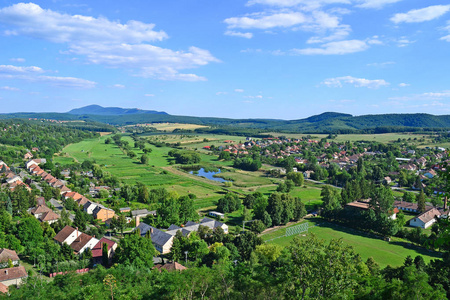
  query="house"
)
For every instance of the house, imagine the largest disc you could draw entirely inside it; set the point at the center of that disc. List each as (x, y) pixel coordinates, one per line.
(160, 239)
(102, 213)
(142, 213)
(89, 207)
(82, 242)
(15, 275)
(408, 206)
(67, 235)
(425, 219)
(28, 155)
(97, 251)
(216, 214)
(430, 173)
(49, 217)
(44, 214)
(6, 255)
(171, 266)
(124, 209)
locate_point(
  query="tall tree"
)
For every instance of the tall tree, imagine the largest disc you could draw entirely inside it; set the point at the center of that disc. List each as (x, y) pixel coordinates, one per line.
(420, 198)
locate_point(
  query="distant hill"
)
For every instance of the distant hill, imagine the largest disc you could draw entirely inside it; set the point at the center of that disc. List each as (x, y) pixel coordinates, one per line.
(328, 122)
(111, 111)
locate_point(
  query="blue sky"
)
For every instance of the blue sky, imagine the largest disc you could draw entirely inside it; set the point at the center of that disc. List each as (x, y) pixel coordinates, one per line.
(281, 59)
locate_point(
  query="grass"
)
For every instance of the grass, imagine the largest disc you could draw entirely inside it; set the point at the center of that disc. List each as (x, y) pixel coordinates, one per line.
(384, 253)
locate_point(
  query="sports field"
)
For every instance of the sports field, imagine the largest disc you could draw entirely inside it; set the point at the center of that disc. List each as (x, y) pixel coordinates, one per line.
(384, 253)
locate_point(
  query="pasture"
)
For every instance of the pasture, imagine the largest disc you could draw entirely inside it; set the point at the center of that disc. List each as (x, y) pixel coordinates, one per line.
(384, 253)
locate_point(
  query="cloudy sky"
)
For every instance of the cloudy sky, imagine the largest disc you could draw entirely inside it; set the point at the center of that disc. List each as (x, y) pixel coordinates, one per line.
(284, 59)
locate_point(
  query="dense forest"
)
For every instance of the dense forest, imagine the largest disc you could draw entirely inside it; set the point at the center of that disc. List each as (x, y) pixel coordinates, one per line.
(328, 122)
(18, 137)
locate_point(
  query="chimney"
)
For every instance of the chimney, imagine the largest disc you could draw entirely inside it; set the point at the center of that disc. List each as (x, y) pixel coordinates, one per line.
(6, 272)
(137, 221)
(77, 233)
(151, 230)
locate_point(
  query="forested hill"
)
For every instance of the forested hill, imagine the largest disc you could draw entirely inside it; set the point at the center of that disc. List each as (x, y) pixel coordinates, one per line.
(328, 122)
(111, 111)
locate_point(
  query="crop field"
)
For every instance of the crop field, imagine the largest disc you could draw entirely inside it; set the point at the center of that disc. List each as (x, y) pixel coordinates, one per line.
(169, 127)
(384, 253)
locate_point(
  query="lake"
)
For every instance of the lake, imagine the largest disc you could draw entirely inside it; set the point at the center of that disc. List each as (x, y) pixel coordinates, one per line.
(209, 175)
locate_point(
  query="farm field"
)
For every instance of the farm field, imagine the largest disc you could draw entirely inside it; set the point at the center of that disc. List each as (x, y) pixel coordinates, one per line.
(384, 253)
(169, 127)
(160, 173)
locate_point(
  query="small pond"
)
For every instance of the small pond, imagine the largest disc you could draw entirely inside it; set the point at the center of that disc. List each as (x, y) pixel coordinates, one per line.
(209, 175)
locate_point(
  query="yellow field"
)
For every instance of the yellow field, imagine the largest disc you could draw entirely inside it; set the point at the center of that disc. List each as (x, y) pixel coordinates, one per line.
(169, 127)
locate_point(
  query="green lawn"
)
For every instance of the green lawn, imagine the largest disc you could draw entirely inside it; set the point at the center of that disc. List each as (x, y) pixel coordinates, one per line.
(384, 253)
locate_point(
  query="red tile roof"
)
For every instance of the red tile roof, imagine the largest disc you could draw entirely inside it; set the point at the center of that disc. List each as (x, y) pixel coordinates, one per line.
(3, 288)
(63, 234)
(6, 254)
(172, 266)
(97, 250)
(80, 242)
(12, 273)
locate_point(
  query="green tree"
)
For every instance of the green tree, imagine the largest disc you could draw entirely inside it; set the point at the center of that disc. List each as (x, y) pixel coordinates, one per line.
(421, 205)
(331, 200)
(135, 250)
(296, 177)
(144, 159)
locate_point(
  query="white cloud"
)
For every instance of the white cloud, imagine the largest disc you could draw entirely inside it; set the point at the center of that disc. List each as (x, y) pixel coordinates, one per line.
(377, 4)
(149, 95)
(319, 3)
(33, 74)
(9, 88)
(424, 96)
(254, 97)
(403, 84)
(221, 93)
(403, 42)
(106, 42)
(382, 64)
(290, 3)
(14, 70)
(239, 90)
(357, 82)
(335, 48)
(247, 35)
(119, 86)
(261, 21)
(447, 37)
(421, 15)
(17, 59)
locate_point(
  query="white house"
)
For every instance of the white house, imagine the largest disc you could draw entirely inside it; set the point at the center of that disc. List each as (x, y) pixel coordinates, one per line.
(67, 235)
(425, 219)
(89, 207)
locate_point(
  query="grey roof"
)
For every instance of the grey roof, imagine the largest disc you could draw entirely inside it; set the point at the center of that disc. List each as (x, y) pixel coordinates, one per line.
(142, 212)
(158, 237)
(172, 227)
(190, 223)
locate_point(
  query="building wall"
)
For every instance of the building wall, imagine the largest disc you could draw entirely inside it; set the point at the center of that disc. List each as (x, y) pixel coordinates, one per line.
(69, 240)
(17, 281)
(104, 215)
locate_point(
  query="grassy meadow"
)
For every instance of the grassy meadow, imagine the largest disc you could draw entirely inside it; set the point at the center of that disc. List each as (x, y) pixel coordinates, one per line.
(384, 253)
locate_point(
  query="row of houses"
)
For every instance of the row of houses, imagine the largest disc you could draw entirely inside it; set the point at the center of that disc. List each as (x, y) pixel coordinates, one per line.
(99, 211)
(80, 241)
(428, 217)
